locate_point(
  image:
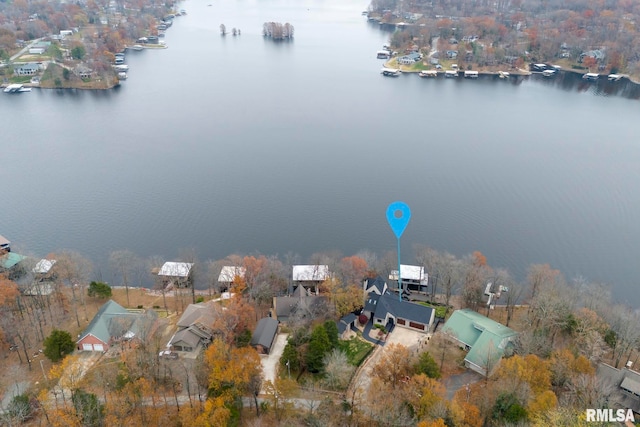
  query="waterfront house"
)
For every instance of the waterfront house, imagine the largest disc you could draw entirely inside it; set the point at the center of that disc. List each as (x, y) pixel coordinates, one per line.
(28, 69)
(310, 276)
(82, 71)
(228, 275)
(485, 340)
(11, 263)
(5, 244)
(414, 278)
(176, 274)
(264, 335)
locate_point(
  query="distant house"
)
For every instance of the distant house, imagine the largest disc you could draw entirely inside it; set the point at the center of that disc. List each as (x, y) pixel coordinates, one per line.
(388, 310)
(485, 339)
(43, 268)
(310, 276)
(83, 71)
(410, 58)
(346, 324)
(5, 244)
(111, 324)
(176, 274)
(228, 274)
(11, 263)
(625, 386)
(195, 327)
(303, 303)
(28, 69)
(264, 335)
(414, 278)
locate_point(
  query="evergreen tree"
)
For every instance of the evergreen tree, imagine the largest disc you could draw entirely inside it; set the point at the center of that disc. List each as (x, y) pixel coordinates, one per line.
(332, 332)
(428, 366)
(319, 345)
(58, 345)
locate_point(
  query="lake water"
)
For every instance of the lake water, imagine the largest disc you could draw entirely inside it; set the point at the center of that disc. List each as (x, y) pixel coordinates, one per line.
(241, 144)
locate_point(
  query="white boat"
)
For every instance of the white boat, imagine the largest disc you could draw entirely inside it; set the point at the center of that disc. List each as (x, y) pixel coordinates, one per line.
(122, 75)
(614, 77)
(121, 68)
(16, 88)
(470, 74)
(391, 72)
(428, 73)
(591, 76)
(137, 47)
(549, 73)
(503, 74)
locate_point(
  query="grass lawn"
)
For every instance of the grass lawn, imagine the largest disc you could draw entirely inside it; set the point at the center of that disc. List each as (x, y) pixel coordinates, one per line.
(356, 350)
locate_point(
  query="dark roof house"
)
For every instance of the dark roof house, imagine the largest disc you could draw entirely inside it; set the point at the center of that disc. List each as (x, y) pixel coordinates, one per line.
(264, 335)
(303, 303)
(195, 327)
(386, 308)
(623, 386)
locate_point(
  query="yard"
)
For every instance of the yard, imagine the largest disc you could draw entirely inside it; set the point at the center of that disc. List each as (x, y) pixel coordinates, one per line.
(356, 350)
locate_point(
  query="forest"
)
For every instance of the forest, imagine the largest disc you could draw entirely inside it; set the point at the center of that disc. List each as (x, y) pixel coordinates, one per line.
(578, 34)
(568, 331)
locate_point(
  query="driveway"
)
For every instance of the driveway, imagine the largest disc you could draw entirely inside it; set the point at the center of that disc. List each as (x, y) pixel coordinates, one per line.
(456, 382)
(270, 362)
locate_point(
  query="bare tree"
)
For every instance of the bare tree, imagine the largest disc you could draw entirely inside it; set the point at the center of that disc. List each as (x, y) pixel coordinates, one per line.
(122, 264)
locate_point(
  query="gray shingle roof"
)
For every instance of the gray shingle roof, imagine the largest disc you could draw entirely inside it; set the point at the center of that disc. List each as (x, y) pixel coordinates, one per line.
(265, 332)
(404, 309)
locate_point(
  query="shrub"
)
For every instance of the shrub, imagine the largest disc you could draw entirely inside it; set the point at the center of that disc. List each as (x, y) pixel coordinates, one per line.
(99, 290)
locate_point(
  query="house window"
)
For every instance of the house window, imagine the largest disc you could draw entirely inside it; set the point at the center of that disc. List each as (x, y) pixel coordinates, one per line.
(401, 322)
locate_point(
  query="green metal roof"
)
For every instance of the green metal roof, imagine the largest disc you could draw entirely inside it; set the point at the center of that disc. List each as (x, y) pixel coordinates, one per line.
(10, 259)
(100, 326)
(487, 338)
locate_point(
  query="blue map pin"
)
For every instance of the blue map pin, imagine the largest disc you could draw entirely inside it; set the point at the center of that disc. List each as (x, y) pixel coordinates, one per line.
(398, 216)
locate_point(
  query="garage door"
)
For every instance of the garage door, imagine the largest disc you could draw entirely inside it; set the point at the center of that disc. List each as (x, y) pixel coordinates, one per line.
(98, 347)
(87, 347)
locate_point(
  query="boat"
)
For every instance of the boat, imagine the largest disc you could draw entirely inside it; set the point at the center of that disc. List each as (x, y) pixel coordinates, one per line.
(428, 73)
(137, 47)
(450, 74)
(503, 74)
(591, 76)
(390, 72)
(614, 77)
(470, 74)
(549, 73)
(122, 75)
(121, 68)
(16, 88)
